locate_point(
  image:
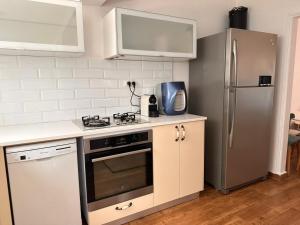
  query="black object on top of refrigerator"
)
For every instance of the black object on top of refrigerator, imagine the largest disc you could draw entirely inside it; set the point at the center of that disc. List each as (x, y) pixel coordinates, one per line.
(232, 83)
(238, 17)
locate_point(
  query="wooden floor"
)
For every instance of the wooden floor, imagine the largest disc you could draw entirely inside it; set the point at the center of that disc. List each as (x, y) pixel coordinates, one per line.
(266, 203)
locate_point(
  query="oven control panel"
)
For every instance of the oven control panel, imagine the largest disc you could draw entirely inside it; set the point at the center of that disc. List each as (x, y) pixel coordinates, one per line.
(120, 140)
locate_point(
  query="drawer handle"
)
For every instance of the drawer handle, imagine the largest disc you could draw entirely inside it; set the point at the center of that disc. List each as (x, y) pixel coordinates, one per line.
(183, 133)
(124, 207)
(177, 134)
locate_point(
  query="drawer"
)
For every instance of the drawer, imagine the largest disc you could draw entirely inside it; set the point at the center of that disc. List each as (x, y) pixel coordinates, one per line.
(110, 213)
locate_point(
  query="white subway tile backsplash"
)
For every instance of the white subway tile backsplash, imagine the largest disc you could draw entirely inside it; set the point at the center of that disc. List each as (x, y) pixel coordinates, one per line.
(106, 102)
(73, 83)
(142, 74)
(163, 74)
(17, 73)
(72, 63)
(57, 94)
(145, 91)
(10, 107)
(56, 73)
(59, 115)
(112, 110)
(102, 64)
(126, 101)
(129, 65)
(89, 93)
(151, 83)
(9, 84)
(100, 83)
(88, 73)
(40, 106)
(21, 118)
(90, 112)
(123, 83)
(148, 65)
(39, 84)
(8, 61)
(42, 89)
(36, 62)
(75, 104)
(168, 66)
(117, 93)
(116, 74)
(19, 96)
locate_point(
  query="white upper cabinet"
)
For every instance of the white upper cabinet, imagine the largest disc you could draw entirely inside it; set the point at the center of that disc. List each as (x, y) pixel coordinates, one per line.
(135, 33)
(41, 26)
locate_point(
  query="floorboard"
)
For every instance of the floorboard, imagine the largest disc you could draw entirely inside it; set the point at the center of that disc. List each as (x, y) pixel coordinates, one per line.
(266, 203)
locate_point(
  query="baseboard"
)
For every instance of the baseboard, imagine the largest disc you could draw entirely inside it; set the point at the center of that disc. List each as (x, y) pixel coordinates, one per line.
(277, 177)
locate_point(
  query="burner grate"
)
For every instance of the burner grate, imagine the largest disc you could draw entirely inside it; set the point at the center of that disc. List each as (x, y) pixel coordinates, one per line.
(124, 117)
(95, 121)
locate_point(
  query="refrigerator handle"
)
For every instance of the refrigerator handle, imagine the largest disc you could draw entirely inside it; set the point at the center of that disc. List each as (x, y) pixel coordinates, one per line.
(234, 52)
(232, 122)
(232, 90)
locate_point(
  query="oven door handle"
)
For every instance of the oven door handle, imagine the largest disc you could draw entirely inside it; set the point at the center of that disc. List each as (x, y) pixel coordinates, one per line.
(121, 155)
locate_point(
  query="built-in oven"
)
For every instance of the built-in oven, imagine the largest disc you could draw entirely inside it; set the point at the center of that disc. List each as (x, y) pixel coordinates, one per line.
(117, 168)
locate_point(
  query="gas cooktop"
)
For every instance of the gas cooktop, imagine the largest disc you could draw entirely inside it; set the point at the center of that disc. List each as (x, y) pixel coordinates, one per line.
(119, 119)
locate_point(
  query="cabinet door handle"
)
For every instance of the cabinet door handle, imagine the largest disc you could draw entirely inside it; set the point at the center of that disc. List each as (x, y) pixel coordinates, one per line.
(183, 133)
(124, 207)
(177, 133)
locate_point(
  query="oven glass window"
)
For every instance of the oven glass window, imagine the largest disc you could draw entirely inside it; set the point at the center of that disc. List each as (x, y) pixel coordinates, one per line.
(122, 174)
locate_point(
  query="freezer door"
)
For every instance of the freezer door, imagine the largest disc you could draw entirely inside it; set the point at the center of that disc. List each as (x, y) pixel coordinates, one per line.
(248, 135)
(253, 55)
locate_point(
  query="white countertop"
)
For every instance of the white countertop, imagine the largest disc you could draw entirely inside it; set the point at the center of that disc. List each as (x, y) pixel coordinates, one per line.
(24, 134)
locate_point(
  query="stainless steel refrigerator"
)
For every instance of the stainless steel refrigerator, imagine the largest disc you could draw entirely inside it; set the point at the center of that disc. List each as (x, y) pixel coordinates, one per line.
(232, 83)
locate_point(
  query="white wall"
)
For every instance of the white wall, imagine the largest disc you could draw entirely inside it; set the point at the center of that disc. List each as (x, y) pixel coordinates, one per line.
(275, 16)
(295, 104)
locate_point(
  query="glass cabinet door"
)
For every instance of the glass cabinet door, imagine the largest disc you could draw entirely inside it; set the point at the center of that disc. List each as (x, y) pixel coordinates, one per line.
(156, 35)
(52, 25)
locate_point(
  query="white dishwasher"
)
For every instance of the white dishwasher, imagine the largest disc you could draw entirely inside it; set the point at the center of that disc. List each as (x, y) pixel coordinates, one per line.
(44, 184)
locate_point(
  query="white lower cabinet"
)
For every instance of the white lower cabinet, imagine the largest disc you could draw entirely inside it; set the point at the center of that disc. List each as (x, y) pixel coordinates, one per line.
(178, 171)
(191, 156)
(114, 212)
(165, 164)
(178, 161)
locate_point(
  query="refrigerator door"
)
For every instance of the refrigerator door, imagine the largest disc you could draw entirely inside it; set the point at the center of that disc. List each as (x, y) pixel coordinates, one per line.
(254, 55)
(248, 135)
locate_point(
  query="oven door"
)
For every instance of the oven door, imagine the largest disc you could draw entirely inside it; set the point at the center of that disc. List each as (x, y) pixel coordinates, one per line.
(118, 175)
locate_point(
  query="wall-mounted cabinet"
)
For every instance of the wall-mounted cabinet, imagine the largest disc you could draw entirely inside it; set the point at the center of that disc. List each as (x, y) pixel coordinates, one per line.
(135, 33)
(43, 27)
